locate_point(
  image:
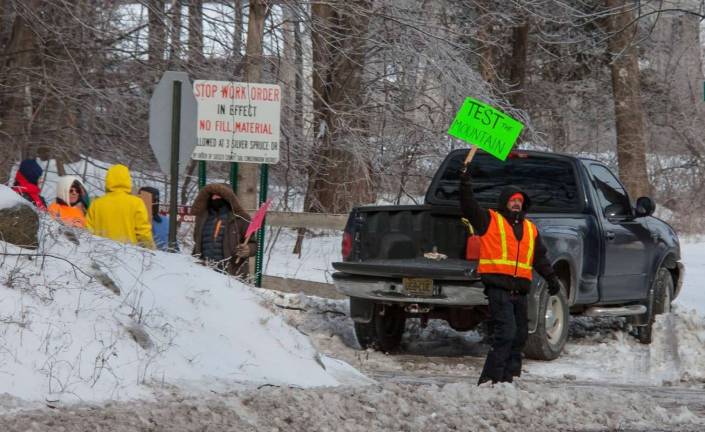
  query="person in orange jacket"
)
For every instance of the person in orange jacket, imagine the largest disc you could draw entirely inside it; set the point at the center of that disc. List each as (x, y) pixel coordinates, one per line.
(71, 202)
(119, 215)
(510, 250)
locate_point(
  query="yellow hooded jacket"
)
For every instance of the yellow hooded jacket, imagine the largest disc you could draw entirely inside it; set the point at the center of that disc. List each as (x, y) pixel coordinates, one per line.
(118, 215)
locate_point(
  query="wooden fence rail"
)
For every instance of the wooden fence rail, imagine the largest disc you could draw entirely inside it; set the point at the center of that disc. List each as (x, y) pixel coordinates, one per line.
(306, 220)
(278, 218)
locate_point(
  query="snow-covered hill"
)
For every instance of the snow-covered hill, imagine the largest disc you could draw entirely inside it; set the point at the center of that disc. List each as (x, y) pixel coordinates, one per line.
(83, 318)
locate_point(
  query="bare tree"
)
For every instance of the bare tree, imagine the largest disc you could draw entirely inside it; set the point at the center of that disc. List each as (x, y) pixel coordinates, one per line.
(631, 148)
(157, 36)
(339, 175)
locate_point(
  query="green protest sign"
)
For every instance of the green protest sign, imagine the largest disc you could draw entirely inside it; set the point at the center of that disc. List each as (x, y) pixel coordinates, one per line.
(486, 127)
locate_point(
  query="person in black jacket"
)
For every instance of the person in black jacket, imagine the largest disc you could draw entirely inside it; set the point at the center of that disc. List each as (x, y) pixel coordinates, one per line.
(506, 292)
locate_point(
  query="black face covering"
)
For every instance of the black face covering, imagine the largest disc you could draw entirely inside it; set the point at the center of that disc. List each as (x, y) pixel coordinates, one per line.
(217, 204)
(513, 216)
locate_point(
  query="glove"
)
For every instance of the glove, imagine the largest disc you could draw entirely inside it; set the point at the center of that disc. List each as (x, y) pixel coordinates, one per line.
(554, 285)
(465, 174)
(242, 251)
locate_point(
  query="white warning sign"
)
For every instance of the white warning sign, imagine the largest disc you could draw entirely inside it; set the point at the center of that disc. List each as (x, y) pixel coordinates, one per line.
(237, 122)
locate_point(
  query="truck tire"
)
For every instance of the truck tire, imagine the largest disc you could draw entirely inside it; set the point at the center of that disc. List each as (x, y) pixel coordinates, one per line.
(662, 294)
(389, 327)
(362, 312)
(384, 331)
(547, 342)
(365, 334)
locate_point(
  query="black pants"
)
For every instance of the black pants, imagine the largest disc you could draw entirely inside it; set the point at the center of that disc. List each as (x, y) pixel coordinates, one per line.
(509, 320)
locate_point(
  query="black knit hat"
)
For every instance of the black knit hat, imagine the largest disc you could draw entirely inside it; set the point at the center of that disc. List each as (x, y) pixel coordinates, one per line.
(30, 170)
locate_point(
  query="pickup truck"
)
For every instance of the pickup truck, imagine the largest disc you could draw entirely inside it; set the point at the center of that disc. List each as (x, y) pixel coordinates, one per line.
(614, 258)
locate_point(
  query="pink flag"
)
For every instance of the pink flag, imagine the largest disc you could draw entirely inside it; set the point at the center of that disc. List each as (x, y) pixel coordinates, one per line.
(257, 219)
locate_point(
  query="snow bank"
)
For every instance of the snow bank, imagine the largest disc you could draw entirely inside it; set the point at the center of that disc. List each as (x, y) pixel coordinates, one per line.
(89, 319)
(693, 293)
(9, 198)
(387, 407)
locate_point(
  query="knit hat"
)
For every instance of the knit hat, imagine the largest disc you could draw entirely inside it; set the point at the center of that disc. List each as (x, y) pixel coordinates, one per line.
(30, 170)
(518, 196)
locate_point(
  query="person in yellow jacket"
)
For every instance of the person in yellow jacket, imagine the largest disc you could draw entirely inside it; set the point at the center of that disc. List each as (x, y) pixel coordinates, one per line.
(119, 215)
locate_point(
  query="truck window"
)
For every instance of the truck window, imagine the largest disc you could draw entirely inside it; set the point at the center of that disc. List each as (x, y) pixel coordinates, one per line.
(550, 182)
(614, 200)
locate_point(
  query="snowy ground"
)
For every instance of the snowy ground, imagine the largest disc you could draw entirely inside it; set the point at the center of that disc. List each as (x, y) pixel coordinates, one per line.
(57, 335)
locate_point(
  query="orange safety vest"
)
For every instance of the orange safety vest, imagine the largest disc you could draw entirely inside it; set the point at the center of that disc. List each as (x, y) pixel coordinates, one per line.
(72, 216)
(501, 253)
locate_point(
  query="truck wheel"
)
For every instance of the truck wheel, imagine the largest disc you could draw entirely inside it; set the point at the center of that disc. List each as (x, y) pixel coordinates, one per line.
(365, 334)
(389, 327)
(547, 342)
(662, 294)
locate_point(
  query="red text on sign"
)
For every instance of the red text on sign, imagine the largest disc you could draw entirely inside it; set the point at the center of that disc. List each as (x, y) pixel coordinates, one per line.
(204, 125)
(206, 90)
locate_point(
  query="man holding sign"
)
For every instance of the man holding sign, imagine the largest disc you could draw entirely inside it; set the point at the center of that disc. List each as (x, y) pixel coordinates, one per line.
(510, 244)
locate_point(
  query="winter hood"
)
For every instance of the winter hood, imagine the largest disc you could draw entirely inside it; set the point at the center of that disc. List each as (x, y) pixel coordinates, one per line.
(118, 179)
(200, 204)
(509, 191)
(63, 186)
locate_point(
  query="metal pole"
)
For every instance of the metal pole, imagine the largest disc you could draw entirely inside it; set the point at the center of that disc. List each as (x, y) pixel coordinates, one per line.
(175, 136)
(201, 174)
(233, 176)
(263, 182)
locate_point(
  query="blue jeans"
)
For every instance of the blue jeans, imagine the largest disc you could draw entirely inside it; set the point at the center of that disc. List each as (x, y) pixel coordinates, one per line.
(509, 320)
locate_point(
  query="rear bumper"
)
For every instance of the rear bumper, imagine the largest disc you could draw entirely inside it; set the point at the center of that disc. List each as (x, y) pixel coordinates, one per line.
(445, 293)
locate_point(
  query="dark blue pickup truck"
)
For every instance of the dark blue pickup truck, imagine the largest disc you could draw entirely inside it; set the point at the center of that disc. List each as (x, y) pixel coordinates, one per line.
(614, 258)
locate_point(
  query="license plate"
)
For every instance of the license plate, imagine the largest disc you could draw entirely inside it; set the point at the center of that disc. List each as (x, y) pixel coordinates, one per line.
(418, 287)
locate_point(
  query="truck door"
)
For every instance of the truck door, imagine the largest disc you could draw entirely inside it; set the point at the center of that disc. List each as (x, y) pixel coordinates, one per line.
(626, 240)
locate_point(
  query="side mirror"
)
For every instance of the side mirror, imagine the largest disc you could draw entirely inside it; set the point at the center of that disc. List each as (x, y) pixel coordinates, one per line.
(615, 211)
(644, 207)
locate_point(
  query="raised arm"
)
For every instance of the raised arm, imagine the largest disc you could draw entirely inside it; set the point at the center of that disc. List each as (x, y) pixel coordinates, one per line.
(478, 216)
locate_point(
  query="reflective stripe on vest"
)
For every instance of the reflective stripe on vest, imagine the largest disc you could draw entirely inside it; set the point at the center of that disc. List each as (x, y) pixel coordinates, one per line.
(500, 254)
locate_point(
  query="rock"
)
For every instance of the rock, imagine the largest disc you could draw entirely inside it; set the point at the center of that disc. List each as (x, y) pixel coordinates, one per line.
(19, 226)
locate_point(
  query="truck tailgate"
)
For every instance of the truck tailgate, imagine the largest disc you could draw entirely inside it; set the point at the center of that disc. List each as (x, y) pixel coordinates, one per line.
(447, 269)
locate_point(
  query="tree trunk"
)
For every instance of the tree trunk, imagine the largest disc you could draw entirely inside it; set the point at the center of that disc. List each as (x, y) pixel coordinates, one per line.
(339, 176)
(298, 122)
(290, 109)
(237, 33)
(517, 76)
(247, 173)
(5, 21)
(157, 37)
(15, 93)
(175, 46)
(195, 34)
(631, 150)
(488, 69)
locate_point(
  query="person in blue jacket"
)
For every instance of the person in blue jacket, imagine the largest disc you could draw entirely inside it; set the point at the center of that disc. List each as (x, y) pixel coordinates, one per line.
(160, 223)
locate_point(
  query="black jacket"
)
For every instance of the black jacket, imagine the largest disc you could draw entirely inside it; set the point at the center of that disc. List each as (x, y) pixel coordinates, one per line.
(480, 218)
(212, 241)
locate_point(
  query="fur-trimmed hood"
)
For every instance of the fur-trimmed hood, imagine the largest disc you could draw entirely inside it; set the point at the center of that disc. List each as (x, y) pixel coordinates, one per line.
(200, 204)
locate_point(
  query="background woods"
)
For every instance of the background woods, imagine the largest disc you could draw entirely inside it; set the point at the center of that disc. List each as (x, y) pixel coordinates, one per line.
(370, 86)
